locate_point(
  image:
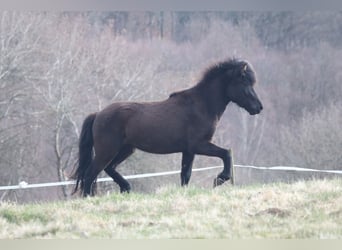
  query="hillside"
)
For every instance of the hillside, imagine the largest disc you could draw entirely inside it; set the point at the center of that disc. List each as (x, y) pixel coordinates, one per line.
(305, 209)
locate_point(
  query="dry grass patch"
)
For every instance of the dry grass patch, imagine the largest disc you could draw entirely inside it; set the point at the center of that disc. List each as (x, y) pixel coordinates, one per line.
(306, 209)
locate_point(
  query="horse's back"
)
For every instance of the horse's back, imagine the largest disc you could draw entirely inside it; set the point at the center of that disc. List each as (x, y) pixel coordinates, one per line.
(158, 127)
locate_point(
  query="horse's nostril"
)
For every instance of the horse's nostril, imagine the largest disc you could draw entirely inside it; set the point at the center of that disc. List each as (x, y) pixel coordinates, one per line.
(260, 105)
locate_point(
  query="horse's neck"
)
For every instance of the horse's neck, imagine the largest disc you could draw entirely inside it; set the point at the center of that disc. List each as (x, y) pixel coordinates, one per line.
(213, 99)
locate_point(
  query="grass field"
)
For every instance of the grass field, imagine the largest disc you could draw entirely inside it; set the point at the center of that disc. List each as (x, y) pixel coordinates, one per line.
(305, 209)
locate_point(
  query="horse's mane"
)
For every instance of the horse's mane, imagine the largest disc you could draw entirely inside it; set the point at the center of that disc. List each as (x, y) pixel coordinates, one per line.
(221, 68)
(230, 66)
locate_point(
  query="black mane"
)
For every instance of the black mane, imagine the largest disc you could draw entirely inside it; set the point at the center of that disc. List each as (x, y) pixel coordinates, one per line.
(231, 67)
(220, 68)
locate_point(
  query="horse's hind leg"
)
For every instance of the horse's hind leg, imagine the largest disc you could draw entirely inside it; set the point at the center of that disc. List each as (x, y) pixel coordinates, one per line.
(123, 154)
(105, 152)
(95, 168)
(90, 179)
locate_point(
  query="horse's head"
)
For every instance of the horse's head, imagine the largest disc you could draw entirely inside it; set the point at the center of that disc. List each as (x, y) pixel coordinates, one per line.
(240, 88)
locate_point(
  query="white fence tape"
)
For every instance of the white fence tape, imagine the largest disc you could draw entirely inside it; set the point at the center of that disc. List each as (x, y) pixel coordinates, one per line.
(25, 185)
(284, 168)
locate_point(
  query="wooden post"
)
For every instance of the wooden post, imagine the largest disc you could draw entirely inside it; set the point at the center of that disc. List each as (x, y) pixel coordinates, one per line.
(232, 172)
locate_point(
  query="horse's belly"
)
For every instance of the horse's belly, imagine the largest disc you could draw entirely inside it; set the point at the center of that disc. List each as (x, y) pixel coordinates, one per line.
(161, 150)
(158, 140)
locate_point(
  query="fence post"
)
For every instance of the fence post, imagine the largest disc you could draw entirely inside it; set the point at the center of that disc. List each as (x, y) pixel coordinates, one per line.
(232, 172)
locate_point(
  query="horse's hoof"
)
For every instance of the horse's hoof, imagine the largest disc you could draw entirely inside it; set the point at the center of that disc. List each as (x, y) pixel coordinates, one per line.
(219, 181)
(125, 189)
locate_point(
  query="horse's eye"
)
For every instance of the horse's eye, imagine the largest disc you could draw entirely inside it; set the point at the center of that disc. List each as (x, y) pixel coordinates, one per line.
(244, 75)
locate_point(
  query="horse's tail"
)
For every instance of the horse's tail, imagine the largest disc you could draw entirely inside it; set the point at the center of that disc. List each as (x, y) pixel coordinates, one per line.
(85, 155)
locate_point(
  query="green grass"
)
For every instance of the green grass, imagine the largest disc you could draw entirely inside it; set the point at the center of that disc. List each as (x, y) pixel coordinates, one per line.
(311, 209)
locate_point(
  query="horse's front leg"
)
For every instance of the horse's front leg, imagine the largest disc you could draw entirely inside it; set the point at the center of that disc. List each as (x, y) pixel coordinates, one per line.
(187, 160)
(211, 149)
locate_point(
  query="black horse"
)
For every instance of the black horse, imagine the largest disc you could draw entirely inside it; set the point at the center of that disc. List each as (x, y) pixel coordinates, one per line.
(185, 123)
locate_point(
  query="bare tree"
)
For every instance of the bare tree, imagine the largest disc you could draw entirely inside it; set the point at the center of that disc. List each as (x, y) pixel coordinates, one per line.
(17, 44)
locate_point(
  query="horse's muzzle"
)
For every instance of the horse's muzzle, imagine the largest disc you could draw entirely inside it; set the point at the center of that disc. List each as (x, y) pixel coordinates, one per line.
(255, 109)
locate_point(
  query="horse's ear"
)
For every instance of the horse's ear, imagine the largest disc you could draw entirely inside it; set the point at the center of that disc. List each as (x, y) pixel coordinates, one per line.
(244, 69)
